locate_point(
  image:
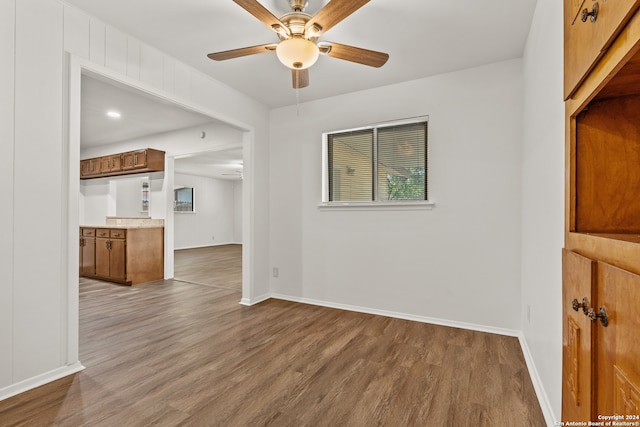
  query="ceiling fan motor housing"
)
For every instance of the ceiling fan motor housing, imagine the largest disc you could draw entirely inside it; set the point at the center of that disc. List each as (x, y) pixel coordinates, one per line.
(296, 22)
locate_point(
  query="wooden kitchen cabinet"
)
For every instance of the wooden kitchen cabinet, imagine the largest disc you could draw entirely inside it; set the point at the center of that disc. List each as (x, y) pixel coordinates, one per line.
(143, 159)
(600, 340)
(138, 161)
(110, 255)
(90, 168)
(577, 336)
(128, 255)
(111, 164)
(590, 27)
(134, 159)
(601, 259)
(87, 251)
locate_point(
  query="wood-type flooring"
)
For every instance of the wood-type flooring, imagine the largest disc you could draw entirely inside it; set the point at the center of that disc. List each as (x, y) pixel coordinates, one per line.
(219, 266)
(174, 353)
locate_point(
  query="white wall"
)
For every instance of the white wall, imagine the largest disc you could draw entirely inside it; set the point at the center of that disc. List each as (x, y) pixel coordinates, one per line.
(459, 262)
(36, 334)
(7, 122)
(543, 197)
(120, 196)
(212, 223)
(237, 211)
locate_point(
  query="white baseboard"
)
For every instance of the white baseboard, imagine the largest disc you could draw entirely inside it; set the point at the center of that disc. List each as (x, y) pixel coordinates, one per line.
(39, 380)
(533, 372)
(543, 399)
(254, 301)
(398, 315)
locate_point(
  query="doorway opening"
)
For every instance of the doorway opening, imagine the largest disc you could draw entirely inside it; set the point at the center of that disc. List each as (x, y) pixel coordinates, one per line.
(208, 189)
(230, 135)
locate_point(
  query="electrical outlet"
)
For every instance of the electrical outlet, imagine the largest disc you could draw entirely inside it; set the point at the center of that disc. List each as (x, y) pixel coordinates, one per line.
(213, 237)
(276, 272)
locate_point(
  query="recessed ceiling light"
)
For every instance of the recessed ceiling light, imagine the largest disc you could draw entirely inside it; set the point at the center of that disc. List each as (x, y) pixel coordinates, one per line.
(113, 114)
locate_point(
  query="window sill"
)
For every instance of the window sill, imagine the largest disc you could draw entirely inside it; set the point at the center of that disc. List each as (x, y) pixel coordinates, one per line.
(376, 206)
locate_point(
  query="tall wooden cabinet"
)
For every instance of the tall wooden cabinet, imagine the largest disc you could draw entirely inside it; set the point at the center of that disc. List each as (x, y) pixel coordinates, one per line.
(601, 258)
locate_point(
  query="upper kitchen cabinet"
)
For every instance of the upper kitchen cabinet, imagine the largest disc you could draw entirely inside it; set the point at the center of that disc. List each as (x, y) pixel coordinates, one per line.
(130, 162)
(590, 26)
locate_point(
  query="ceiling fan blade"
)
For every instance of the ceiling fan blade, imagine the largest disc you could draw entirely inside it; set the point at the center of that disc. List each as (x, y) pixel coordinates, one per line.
(300, 78)
(236, 53)
(354, 54)
(334, 12)
(266, 17)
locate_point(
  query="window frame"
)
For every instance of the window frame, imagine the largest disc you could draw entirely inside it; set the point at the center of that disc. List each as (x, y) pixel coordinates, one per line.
(325, 204)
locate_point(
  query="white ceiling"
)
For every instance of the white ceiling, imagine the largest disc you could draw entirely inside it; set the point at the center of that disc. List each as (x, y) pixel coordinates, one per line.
(422, 37)
(142, 115)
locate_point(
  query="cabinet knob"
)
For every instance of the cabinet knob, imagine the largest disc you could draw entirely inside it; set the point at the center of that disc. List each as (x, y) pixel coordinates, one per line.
(590, 312)
(593, 15)
(578, 305)
(601, 314)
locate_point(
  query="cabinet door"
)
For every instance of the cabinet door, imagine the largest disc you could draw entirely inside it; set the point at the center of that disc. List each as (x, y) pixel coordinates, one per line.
(94, 167)
(140, 159)
(105, 164)
(102, 256)
(585, 41)
(578, 275)
(117, 259)
(85, 168)
(88, 256)
(618, 343)
(134, 160)
(115, 163)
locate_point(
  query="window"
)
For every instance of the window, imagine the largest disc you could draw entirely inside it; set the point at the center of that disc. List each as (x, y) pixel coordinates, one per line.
(183, 199)
(380, 164)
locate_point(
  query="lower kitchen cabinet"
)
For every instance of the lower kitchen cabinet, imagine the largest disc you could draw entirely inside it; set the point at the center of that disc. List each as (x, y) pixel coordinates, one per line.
(125, 255)
(601, 345)
(87, 251)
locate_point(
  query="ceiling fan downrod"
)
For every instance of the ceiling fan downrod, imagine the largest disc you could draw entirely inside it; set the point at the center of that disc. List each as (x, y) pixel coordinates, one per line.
(298, 5)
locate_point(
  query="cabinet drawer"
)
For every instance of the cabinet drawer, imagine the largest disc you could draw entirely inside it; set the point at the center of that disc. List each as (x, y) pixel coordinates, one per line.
(117, 234)
(587, 37)
(88, 232)
(102, 232)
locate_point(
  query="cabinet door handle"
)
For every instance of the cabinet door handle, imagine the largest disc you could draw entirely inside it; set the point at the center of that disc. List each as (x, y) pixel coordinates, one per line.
(601, 314)
(585, 14)
(590, 312)
(577, 305)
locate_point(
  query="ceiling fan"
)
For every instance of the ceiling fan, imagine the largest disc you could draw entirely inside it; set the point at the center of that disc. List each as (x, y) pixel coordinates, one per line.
(299, 32)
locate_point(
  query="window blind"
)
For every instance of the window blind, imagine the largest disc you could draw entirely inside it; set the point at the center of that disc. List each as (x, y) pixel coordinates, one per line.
(383, 163)
(351, 166)
(402, 162)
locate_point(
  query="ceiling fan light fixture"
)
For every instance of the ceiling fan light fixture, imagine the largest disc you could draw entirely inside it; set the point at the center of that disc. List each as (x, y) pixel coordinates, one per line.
(297, 53)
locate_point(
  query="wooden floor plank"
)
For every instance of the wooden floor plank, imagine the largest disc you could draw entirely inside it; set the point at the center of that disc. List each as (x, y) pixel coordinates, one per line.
(175, 353)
